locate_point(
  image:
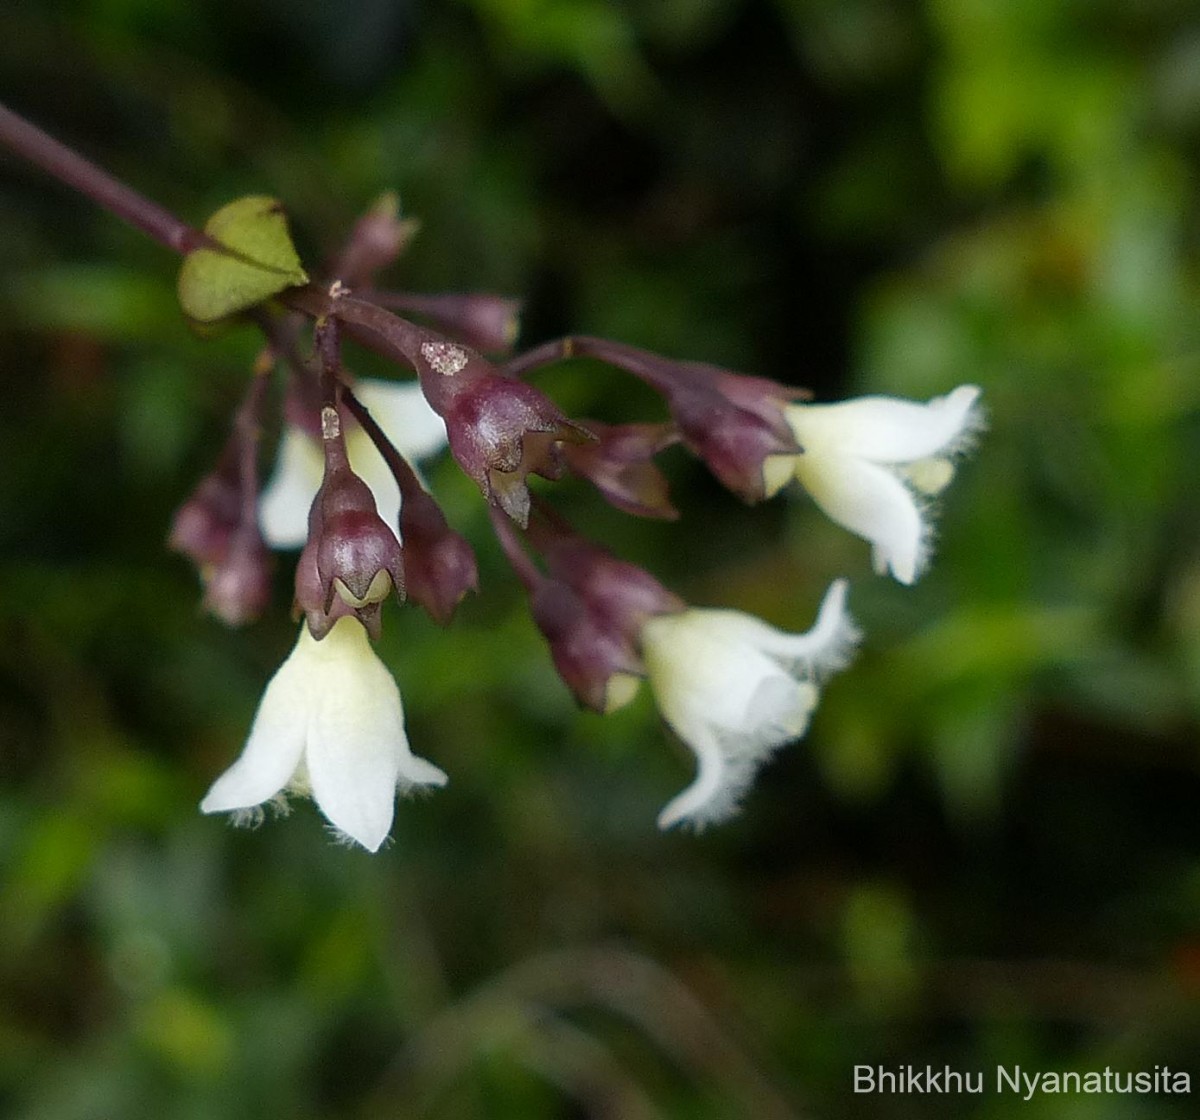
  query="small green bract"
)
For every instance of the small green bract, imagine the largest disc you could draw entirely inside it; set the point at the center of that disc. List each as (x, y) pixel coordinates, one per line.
(261, 261)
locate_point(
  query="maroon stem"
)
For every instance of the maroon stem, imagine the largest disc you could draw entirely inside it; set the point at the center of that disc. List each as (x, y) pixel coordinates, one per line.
(328, 340)
(71, 168)
(373, 326)
(406, 477)
(517, 557)
(650, 368)
(556, 350)
(367, 323)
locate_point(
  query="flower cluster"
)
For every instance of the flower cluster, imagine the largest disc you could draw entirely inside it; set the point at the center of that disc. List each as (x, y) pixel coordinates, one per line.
(347, 493)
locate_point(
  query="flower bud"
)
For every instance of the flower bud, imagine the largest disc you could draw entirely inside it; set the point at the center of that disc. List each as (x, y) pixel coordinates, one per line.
(596, 662)
(351, 553)
(204, 525)
(378, 238)
(620, 465)
(439, 566)
(237, 589)
(500, 429)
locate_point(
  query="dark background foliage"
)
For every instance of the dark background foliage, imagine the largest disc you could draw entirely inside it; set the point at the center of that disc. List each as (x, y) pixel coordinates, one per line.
(986, 849)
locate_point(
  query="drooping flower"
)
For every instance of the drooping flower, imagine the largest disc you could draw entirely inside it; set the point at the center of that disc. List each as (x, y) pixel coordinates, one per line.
(875, 464)
(735, 689)
(330, 726)
(400, 410)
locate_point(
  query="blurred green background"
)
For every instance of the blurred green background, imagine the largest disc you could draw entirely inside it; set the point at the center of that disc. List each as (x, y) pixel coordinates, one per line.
(987, 849)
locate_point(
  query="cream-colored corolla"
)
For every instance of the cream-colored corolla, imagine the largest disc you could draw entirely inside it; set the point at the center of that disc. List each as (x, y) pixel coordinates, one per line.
(875, 464)
(330, 726)
(734, 689)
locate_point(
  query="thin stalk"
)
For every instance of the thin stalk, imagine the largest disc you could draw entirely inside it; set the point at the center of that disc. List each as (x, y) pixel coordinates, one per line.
(517, 557)
(406, 478)
(70, 168)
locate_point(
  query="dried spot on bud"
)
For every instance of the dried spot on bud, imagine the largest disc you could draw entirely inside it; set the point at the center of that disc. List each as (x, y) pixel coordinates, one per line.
(331, 423)
(337, 289)
(446, 358)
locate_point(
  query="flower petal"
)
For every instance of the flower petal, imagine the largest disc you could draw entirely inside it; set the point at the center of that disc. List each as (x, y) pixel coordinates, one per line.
(888, 429)
(357, 752)
(728, 760)
(824, 649)
(873, 503)
(707, 800)
(273, 750)
(701, 669)
(284, 504)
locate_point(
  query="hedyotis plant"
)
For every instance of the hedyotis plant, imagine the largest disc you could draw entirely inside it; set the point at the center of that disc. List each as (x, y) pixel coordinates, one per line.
(346, 495)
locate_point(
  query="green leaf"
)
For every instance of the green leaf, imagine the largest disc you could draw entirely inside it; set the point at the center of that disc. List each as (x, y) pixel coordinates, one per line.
(260, 260)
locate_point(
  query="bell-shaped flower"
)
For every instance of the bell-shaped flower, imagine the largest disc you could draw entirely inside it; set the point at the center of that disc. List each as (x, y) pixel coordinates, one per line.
(734, 689)
(875, 464)
(330, 726)
(400, 410)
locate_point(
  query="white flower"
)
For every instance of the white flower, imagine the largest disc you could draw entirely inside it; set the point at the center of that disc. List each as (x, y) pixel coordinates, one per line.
(400, 409)
(874, 464)
(331, 726)
(734, 689)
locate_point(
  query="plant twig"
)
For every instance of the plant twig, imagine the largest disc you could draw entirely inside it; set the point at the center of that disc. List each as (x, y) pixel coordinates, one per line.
(72, 169)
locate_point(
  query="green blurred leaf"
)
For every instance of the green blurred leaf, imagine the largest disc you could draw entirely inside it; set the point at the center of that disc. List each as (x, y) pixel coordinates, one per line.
(261, 261)
(878, 930)
(187, 1032)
